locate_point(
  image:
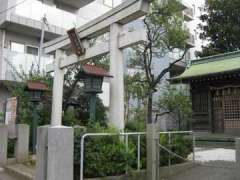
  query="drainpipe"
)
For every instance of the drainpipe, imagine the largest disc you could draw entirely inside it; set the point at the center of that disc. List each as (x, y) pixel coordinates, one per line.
(41, 42)
(1, 54)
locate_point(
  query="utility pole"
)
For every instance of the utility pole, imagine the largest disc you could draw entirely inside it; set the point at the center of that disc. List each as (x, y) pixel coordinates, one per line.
(44, 22)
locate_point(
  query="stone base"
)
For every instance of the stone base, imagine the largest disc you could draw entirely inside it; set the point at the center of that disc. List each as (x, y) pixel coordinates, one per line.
(22, 144)
(237, 147)
(3, 144)
(20, 132)
(54, 153)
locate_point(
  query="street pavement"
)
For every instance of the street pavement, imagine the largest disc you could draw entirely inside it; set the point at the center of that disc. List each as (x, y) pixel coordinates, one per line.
(209, 173)
(214, 164)
(4, 176)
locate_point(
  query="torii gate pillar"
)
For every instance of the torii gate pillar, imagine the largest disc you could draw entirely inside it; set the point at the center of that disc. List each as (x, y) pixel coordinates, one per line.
(57, 99)
(116, 116)
(55, 143)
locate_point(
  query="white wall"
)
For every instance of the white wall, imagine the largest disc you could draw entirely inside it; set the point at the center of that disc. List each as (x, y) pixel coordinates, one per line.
(194, 25)
(93, 10)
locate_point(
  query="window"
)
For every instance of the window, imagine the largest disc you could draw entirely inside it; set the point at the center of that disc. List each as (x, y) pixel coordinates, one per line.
(108, 3)
(32, 50)
(17, 47)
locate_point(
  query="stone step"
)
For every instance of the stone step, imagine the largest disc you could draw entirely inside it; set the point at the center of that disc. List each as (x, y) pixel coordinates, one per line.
(5, 176)
(215, 140)
(216, 144)
(20, 171)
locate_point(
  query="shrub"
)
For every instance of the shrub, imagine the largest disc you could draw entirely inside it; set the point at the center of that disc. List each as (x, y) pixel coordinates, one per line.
(180, 144)
(105, 155)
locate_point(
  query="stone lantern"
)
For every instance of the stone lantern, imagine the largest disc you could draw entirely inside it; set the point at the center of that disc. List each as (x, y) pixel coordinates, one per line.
(93, 79)
(35, 90)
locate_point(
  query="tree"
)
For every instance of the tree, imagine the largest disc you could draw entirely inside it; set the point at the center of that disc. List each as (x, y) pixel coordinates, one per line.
(165, 33)
(176, 101)
(134, 90)
(73, 96)
(220, 26)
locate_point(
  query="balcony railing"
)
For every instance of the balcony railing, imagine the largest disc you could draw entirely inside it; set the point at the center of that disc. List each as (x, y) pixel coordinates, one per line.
(191, 39)
(35, 10)
(188, 14)
(15, 64)
(75, 3)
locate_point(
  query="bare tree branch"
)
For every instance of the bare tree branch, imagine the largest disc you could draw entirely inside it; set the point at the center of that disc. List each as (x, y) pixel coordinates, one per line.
(166, 70)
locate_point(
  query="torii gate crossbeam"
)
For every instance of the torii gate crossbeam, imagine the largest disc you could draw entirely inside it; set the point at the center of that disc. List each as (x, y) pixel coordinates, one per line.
(56, 161)
(124, 13)
(112, 22)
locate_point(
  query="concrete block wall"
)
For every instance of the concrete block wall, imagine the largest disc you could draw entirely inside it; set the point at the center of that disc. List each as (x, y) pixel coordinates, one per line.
(3, 144)
(54, 153)
(20, 132)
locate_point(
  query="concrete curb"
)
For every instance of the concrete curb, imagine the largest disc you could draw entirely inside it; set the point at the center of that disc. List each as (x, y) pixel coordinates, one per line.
(19, 171)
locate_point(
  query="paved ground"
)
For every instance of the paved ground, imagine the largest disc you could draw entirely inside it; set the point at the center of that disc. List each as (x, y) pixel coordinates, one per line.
(215, 154)
(4, 176)
(216, 164)
(226, 172)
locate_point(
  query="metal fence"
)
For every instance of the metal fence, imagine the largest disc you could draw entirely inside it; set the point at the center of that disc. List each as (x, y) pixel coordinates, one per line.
(126, 140)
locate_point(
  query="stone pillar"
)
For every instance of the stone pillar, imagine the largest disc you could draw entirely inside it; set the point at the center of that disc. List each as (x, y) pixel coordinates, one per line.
(22, 144)
(57, 98)
(42, 149)
(55, 143)
(116, 115)
(60, 153)
(237, 147)
(3, 144)
(54, 153)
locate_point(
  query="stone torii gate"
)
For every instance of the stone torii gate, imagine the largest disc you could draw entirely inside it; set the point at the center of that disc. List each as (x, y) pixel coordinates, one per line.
(112, 22)
(56, 162)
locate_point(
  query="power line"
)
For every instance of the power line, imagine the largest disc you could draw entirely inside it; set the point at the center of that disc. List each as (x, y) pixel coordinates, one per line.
(1, 12)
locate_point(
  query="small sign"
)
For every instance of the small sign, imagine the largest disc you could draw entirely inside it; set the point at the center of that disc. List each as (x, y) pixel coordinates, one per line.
(76, 42)
(11, 111)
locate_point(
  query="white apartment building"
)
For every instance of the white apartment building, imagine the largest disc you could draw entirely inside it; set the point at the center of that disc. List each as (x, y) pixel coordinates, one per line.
(21, 26)
(21, 31)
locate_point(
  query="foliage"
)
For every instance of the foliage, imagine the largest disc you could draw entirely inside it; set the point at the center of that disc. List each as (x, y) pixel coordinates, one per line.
(137, 124)
(180, 144)
(164, 35)
(135, 90)
(176, 100)
(105, 155)
(73, 96)
(25, 107)
(220, 26)
(78, 114)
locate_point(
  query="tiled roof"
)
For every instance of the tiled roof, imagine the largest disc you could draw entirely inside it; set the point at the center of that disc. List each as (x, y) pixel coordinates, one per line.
(96, 71)
(36, 86)
(213, 65)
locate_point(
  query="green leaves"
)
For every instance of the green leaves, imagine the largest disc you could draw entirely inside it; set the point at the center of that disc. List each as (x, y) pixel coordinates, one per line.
(165, 25)
(220, 25)
(107, 155)
(104, 155)
(176, 101)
